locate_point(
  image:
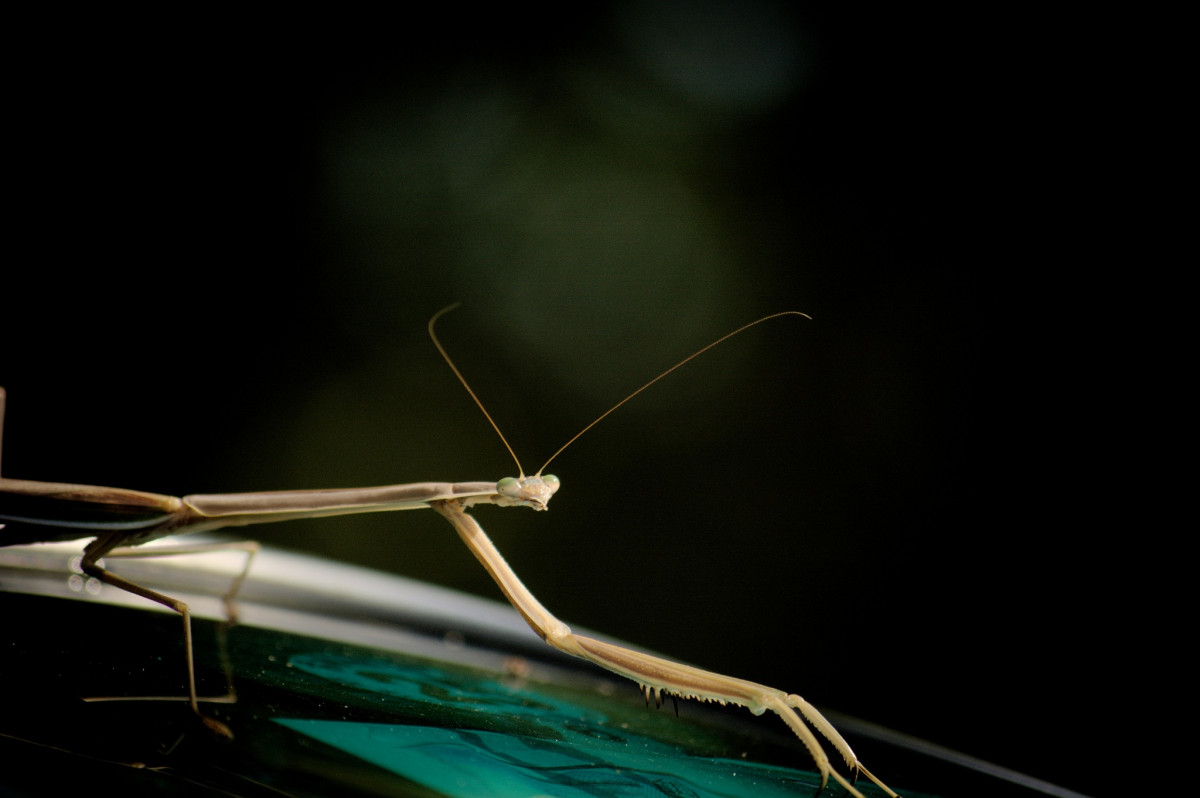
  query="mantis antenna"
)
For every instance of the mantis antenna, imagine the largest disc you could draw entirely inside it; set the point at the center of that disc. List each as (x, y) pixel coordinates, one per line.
(445, 356)
(442, 350)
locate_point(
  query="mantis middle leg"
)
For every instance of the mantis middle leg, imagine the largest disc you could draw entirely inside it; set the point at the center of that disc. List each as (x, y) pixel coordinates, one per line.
(103, 547)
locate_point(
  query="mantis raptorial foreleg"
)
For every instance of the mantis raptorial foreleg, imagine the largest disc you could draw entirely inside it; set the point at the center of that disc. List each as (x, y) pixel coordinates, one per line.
(654, 673)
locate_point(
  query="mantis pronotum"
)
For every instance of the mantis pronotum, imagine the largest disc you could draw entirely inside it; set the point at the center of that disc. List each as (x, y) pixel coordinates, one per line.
(120, 519)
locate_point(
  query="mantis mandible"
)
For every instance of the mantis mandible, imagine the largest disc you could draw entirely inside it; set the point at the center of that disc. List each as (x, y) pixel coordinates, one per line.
(120, 519)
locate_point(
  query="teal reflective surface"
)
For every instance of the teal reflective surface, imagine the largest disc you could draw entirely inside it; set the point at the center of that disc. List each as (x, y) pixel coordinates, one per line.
(525, 741)
(348, 683)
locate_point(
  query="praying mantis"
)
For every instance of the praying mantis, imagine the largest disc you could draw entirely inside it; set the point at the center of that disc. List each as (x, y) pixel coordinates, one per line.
(119, 520)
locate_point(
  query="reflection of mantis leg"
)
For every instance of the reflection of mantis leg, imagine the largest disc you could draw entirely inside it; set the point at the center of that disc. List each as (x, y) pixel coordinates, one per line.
(655, 674)
(94, 552)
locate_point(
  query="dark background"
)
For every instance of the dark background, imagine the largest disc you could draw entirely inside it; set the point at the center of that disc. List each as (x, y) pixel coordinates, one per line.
(229, 233)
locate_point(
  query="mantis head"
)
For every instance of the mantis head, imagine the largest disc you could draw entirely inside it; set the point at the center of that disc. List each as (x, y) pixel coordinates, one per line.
(523, 491)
